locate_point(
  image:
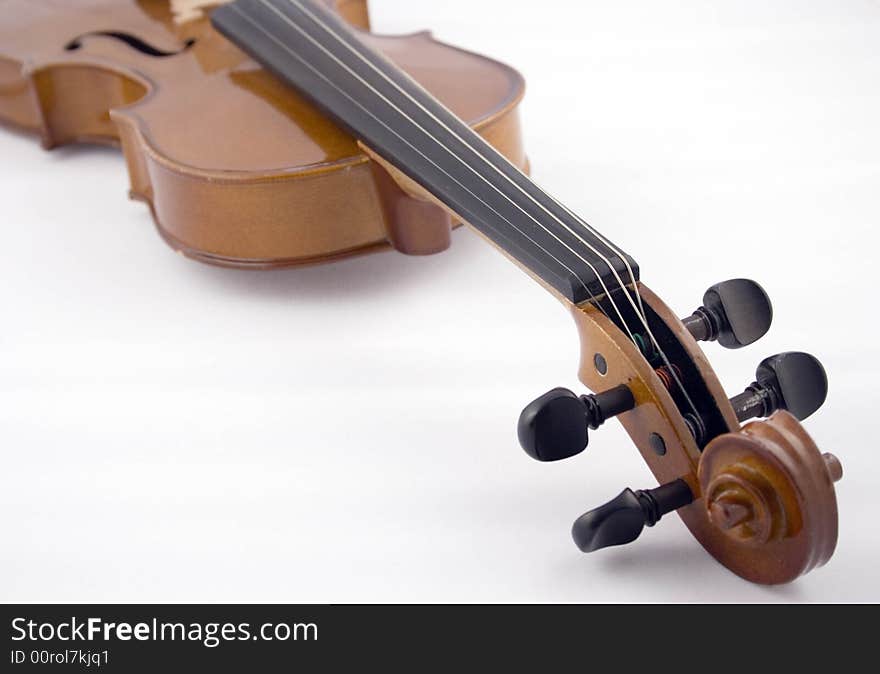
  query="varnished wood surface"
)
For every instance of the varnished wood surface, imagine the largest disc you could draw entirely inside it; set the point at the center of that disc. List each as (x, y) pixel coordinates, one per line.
(236, 167)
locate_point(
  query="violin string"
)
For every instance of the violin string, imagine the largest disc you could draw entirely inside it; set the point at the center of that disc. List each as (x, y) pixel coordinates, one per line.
(499, 215)
(352, 46)
(641, 315)
(406, 117)
(672, 370)
(439, 144)
(637, 306)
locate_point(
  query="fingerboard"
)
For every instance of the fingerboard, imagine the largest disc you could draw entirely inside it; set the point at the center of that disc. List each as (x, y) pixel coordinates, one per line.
(314, 51)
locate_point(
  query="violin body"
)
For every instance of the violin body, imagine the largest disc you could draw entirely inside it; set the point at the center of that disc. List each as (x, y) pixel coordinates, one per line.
(237, 168)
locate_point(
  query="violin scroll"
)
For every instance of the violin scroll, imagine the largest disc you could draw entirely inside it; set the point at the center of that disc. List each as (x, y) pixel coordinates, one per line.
(760, 497)
(770, 491)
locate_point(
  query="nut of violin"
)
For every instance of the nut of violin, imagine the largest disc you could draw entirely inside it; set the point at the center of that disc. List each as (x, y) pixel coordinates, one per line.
(770, 492)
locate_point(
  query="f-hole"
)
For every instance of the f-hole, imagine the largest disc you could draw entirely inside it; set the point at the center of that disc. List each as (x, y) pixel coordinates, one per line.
(131, 40)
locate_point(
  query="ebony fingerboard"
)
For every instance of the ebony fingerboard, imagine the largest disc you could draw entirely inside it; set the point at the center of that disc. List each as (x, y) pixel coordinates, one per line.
(314, 51)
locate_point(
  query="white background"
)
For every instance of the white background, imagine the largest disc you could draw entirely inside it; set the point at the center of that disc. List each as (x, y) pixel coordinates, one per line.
(176, 432)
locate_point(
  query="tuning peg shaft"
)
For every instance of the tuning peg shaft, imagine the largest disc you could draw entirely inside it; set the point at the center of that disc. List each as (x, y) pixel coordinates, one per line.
(554, 426)
(736, 313)
(622, 519)
(792, 381)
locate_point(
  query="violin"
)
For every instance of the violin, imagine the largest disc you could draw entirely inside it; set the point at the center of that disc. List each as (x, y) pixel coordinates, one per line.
(267, 133)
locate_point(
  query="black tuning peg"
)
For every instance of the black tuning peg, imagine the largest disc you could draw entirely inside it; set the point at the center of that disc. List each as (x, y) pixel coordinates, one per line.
(792, 381)
(554, 426)
(622, 520)
(736, 313)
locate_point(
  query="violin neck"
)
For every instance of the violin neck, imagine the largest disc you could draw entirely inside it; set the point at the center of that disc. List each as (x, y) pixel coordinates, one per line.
(315, 51)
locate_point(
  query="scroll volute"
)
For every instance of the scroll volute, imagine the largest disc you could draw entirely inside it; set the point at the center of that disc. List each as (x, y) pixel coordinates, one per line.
(770, 491)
